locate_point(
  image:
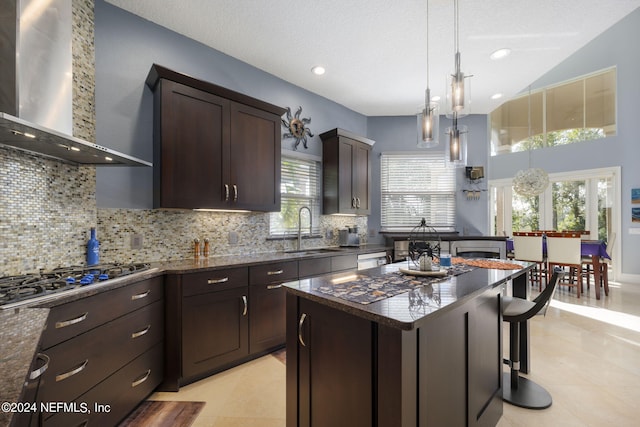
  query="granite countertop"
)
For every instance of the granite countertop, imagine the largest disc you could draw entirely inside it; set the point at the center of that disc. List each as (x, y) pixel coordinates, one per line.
(22, 327)
(409, 309)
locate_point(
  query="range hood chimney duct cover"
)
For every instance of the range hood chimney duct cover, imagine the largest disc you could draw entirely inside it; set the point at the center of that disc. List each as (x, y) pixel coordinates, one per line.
(36, 85)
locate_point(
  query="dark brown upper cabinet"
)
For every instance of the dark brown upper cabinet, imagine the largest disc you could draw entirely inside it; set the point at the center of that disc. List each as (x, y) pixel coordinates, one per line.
(346, 167)
(213, 148)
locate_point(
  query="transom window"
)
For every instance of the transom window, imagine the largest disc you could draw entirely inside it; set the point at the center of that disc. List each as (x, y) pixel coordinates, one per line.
(299, 186)
(415, 186)
(574, 111)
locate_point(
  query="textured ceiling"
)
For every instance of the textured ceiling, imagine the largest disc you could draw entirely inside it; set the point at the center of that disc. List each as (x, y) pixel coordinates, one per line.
(375, 50)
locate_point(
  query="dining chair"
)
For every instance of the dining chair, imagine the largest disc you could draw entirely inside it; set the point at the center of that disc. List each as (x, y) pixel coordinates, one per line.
(528, 247)
(604, 265)
(563, 250)
(517, 390)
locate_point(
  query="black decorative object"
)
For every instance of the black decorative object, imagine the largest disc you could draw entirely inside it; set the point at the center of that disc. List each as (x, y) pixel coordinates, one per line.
(424, 241)
(297, 128)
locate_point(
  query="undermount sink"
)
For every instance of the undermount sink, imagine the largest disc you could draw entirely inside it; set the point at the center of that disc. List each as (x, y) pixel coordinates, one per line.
(312, 251)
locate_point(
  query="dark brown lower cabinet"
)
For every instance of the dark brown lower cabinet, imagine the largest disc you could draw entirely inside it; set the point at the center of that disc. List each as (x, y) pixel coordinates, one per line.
(343, 370)
(214, 331)
(330, 353)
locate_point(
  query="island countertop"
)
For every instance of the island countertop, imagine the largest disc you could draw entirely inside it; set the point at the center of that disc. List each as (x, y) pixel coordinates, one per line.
(407, 309)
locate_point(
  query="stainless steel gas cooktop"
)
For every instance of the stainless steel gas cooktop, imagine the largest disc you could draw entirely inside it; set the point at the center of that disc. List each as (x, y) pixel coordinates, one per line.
(39, 287)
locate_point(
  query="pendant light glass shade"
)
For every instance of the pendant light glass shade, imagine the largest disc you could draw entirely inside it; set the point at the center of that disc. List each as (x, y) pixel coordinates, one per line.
(456, 152)
(428, 124)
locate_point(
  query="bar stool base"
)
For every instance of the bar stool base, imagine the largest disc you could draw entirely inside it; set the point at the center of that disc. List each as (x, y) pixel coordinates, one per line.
(528, 394)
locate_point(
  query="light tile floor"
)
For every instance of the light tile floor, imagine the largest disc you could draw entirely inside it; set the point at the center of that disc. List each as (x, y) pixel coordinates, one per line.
(585, 352)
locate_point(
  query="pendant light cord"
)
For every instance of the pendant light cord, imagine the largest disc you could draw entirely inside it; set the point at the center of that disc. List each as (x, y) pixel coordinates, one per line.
(427, 93)
(529, 124)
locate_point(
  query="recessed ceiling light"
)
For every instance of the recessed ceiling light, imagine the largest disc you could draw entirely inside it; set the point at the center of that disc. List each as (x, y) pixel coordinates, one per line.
(496, 96)
(318, 70)
(500, 53)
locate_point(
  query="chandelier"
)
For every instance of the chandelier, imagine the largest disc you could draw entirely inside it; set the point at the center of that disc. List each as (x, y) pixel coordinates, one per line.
(428, 114)
(533, 181)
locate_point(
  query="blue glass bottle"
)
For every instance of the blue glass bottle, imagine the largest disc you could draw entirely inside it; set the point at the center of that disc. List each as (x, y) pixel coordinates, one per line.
(93, 249)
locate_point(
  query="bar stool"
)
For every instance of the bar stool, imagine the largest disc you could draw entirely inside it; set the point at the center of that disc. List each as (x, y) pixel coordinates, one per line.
(518, 390)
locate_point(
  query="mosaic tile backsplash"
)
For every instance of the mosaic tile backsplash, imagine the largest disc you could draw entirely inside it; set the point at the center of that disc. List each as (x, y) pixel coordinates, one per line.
(48, 207)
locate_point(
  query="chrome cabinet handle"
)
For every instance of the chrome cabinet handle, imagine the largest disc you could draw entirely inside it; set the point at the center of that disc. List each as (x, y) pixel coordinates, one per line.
(214, 281)
(140, 333)
(244, 300)
(357, 202)
(274, 286)
(273, 273)
(303, 316)
(353, 202)
(235, 193)
(72, 372)
(226, 192)
(37, 372)
(141, 379)
(140, 296)
(73, 321)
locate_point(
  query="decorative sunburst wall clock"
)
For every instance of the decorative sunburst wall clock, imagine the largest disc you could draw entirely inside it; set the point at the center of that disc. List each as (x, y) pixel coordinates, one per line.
(297, 128)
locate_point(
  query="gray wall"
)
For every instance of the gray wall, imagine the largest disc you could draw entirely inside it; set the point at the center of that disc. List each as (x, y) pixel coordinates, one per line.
(615, 47)
(400, 134)
(126, 47)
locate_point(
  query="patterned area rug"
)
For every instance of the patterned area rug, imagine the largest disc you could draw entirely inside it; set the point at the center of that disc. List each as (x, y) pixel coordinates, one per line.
(160, 414)
(367, 290)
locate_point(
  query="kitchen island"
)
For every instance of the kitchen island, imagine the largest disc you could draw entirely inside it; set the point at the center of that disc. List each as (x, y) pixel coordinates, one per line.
(428, 356)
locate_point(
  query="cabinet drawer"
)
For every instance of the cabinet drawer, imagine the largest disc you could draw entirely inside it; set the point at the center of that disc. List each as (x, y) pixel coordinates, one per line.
(74, 318)
(78, 364)
(214, 280)
(122, 391)
(276, 272)
(344, 262)
(314, 267)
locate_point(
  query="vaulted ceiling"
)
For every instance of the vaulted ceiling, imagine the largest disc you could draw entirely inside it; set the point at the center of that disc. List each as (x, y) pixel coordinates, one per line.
(375, 51)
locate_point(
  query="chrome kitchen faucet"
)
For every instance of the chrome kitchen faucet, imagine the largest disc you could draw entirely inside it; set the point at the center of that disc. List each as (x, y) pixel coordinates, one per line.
(300, 225)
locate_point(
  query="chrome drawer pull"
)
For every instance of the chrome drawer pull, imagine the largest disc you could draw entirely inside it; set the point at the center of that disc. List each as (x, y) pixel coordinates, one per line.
(235, 193)
(72, 372)
(274, 286)
(139, 296)
(273, 273)
(70, 322)
(140, 333)
(244, 300)
(226, 192)
(142, 379)
(214, 281)
(37, 372)
(302, 319)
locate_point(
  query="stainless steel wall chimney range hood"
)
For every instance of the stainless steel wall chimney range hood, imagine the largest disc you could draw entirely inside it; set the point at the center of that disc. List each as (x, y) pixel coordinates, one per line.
(36, 85)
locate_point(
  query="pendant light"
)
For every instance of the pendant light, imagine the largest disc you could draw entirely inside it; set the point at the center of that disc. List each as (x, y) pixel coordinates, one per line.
(429, 113)
(458, 91)
(456, 152)
(533, 181)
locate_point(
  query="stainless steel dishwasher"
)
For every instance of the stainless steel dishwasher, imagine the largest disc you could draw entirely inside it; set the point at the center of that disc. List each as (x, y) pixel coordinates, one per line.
(371, 260)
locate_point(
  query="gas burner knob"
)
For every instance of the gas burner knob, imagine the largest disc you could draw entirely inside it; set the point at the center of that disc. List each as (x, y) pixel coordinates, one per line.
(70, 280)
(103, 277)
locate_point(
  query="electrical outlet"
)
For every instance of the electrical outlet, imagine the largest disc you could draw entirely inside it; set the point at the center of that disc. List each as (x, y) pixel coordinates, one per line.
(233, 238)
(136, 241)
(634, 230)
(372, 232)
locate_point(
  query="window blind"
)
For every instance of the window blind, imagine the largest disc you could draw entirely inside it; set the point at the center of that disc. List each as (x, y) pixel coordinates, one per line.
(415, 186)
(299, 186)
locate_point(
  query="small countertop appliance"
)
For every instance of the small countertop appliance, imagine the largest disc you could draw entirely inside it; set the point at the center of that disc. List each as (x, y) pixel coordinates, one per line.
(349, 237)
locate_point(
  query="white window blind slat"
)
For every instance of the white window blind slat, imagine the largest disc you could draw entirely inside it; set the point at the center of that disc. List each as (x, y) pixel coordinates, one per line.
(299, 186)
(416, 186)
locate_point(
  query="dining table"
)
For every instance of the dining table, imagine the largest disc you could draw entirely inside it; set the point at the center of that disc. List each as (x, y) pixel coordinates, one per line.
(594, 249)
